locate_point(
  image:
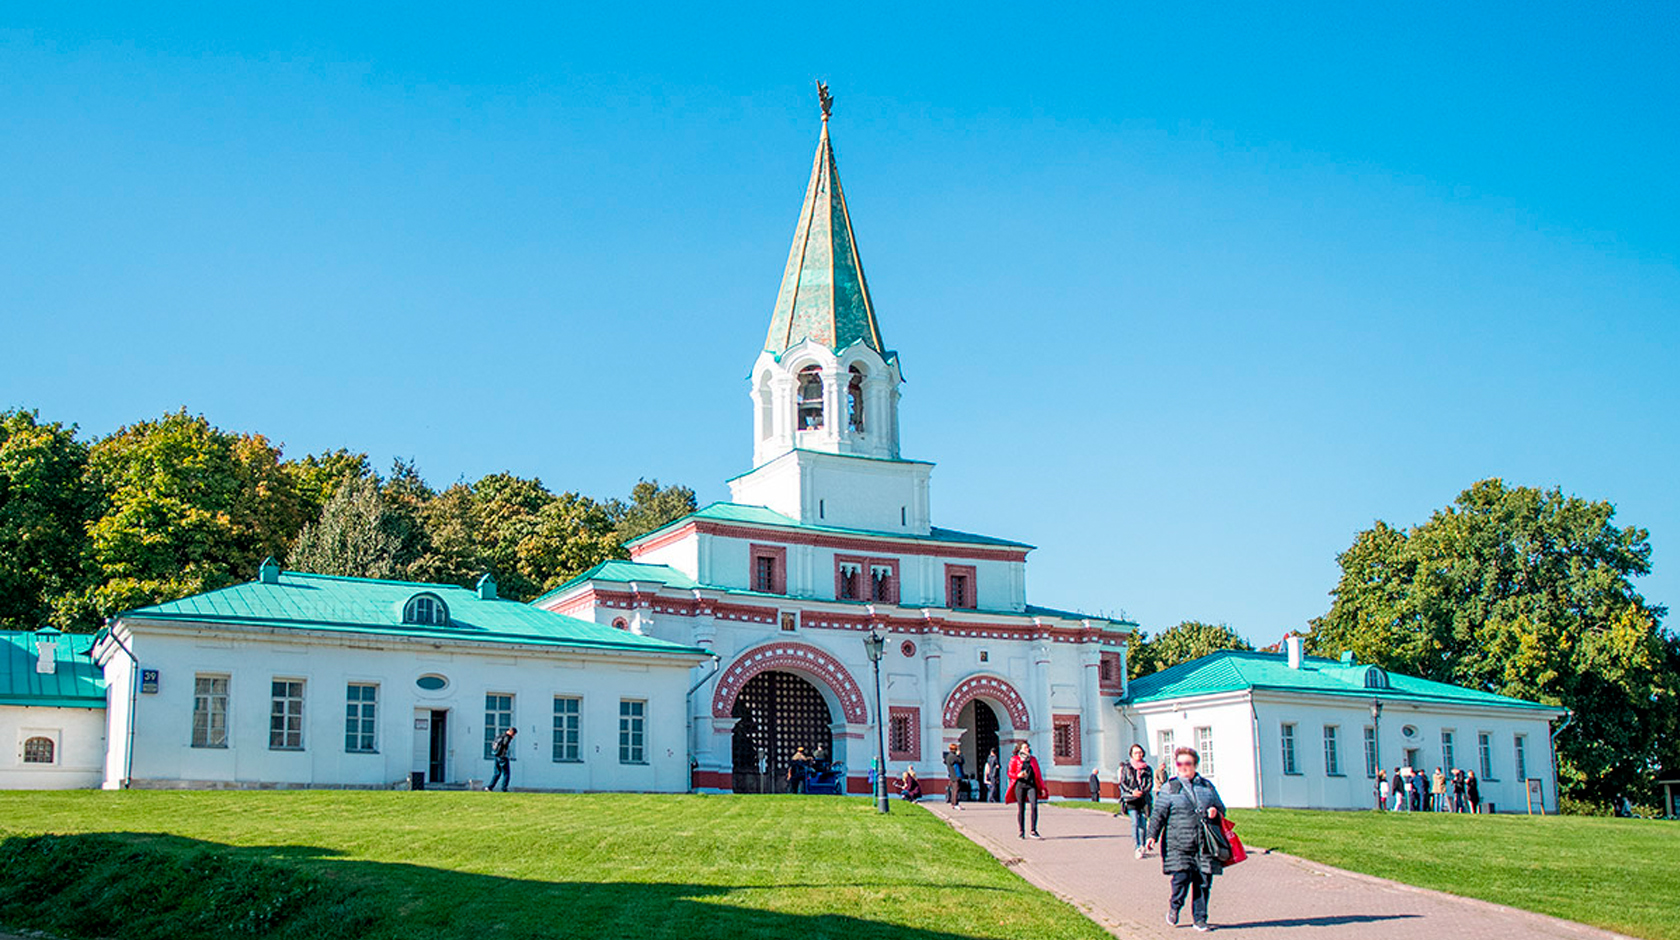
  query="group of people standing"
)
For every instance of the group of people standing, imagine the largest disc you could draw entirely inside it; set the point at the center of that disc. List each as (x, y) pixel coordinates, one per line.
(1022, 784)
(802, 766)
(1407, 789)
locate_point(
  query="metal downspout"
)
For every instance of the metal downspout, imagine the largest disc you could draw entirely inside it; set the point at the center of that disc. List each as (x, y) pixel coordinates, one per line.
(1557, 792)
(1259, 801)
(688, 702)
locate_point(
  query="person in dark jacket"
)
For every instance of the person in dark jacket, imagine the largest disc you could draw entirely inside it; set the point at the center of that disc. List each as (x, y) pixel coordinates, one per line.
(1473, 791)
(1137, 784)
(1176, 824)
(993, 779)
(499, 751)
(799, 769)
(954, 775)
(1026, 785)
(1458, 790)
(909, 786)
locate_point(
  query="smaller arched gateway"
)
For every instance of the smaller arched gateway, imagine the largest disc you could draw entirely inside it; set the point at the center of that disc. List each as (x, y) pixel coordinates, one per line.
(990, 687)
(974, 706)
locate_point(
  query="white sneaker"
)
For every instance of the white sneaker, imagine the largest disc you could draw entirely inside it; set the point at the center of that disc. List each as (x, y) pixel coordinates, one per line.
(1138, 854)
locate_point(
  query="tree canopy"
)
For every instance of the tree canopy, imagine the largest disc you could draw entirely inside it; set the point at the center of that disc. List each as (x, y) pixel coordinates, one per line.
(1524, 592)
(1180, 643)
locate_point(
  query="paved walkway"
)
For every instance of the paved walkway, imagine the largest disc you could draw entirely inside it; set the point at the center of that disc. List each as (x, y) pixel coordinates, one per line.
(1086, 858)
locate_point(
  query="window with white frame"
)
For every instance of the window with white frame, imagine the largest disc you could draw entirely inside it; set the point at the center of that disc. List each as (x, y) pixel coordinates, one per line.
(1449, 760)
(1519, 750)
(285, 715)
(361, 717)
(1164, 747)
(1286, 735)
(498, 717)
(568, 717)
(1332, 750)
(210, 711)
(1484, 744)
(428, 609)
(1204, 750)
(632, 731)
(1370, 751)
(40, 749)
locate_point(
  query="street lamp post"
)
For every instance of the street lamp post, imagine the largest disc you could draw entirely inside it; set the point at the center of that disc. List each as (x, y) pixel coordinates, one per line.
(1376, 736)
(875, 644)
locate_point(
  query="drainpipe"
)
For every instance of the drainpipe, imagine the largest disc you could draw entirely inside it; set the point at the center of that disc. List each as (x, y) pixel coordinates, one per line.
(1259, 802)
(1557, 792)
(688, 709)
(134, 699)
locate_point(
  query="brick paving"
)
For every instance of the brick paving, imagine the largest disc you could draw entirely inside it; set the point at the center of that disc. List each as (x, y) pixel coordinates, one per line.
(1086, 859)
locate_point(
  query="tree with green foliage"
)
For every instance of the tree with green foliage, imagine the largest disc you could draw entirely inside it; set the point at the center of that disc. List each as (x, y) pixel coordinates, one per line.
(650, 507)
(1190, 639)
(1524, 592)
(358, 535)
(44, 506)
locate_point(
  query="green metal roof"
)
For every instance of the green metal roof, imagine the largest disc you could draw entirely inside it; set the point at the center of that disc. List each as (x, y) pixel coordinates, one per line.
(75, 681)
(363, 605)
(763, 515)
(824, 296)
(1240, 670)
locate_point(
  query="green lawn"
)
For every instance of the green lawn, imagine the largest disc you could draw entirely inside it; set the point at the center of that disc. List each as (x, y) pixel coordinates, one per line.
(441, 865)
(1619, 874)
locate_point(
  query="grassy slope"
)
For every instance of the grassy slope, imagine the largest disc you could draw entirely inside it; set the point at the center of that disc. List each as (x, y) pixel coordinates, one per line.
(455, 864)
(1619, 874)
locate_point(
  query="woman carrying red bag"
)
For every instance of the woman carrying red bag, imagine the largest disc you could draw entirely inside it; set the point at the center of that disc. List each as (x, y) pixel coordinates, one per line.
(1183, 809)
(1026, 784)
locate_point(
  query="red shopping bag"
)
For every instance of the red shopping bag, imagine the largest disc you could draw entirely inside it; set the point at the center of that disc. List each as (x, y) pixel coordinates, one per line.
(1238, 853)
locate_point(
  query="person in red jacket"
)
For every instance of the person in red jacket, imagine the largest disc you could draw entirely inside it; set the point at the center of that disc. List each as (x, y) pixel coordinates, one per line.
(1026, 785)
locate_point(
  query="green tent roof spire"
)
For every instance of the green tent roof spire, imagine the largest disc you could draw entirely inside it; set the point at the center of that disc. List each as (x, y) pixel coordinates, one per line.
(824, 296)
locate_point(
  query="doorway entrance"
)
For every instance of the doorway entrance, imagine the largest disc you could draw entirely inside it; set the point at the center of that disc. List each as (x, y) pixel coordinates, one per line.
(437, 761)
(980, 736)
(1412, 759)
(776, 713)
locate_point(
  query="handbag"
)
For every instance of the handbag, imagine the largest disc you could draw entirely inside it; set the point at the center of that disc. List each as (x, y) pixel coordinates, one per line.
(1215, 841)
(1238, 853)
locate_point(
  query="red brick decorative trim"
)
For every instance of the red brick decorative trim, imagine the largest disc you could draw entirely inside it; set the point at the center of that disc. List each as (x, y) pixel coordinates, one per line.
(801, 658)
(971, 599)
(1069, 725)
(991, 687)
(913, 715)
(844, 543)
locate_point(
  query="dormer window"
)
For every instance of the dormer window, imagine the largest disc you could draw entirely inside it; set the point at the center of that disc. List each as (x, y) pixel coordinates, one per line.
(854, 399)
(1375, 678)
(810, 391)
(426, 609)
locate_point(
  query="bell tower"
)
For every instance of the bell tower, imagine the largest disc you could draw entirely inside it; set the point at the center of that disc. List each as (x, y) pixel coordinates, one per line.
(825, 383)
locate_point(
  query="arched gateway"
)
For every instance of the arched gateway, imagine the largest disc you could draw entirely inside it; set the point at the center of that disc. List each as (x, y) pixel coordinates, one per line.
(783, 696)
(974, 707)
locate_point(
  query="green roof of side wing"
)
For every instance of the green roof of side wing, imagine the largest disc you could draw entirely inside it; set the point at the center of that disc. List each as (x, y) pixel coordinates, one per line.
(763, 515)
(361, 605)
(1241, 670)
(75, 681)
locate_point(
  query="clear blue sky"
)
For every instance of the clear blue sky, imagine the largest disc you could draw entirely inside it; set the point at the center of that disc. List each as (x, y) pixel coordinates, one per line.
(1186, 300)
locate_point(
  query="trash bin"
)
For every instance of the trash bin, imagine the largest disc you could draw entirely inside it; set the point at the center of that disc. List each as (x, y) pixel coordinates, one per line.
(1489, 808)
(417, 780)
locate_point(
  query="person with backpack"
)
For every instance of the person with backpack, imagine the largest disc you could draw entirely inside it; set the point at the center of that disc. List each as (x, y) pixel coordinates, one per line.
(499, 751)
(1137, 786)
(1026, 785)
(1183, 809)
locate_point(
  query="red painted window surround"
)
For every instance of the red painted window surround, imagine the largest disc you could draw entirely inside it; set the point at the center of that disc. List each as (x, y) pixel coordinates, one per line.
(865, 580)
(776, 555)
(904, 733)
(1064, 740)
(970, 598)
(1109, 678)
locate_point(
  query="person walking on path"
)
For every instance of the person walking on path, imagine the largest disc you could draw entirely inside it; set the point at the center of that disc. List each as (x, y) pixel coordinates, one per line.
(1176, 823)
(1438, 791)
(499, 751)
(1026, 784)
(993, 771)
(1136, 787)
(954, 775)
(1472, 791)
(1395, 790)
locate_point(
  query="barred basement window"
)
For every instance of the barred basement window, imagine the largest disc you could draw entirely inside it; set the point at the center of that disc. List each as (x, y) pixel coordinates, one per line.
(285, 715)
(568, 711)
(38, 750)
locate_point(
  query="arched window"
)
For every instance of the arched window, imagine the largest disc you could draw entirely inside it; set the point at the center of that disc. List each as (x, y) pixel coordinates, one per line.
(38, 750)
(1375, 678)
(427, 609)
(854, 399)
(619, 623)
(810, 398)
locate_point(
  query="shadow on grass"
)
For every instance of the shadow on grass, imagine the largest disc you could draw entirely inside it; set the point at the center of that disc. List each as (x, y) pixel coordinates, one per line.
(145, 886)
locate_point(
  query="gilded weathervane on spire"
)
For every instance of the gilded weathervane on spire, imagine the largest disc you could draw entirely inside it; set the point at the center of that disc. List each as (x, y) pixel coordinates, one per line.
(825, 99)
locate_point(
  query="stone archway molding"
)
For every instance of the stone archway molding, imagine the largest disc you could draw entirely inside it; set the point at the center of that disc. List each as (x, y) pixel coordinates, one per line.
(990, 687)
(801, 658)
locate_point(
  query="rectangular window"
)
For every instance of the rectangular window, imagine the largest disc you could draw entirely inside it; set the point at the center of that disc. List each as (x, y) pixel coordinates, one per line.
(285, 715)
(898, 734)
(1519, 746)
(632, 731)
(1484, 744)
(1448, 759)
(769, 569)
(1332, 751)
(361, 704)
(498, 717)
(1288, 737)
(1062, 742)
(210, 711)
(568, 712)
(904, 733)
(1164, 747)
(883, 586)
(848, 586)
(1204, 751)
(1370, 752)
(961, 587)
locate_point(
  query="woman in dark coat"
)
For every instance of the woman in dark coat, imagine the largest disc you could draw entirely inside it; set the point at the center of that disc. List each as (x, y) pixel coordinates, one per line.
(1137, 782)
(1473, 791)
(1176, 823)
